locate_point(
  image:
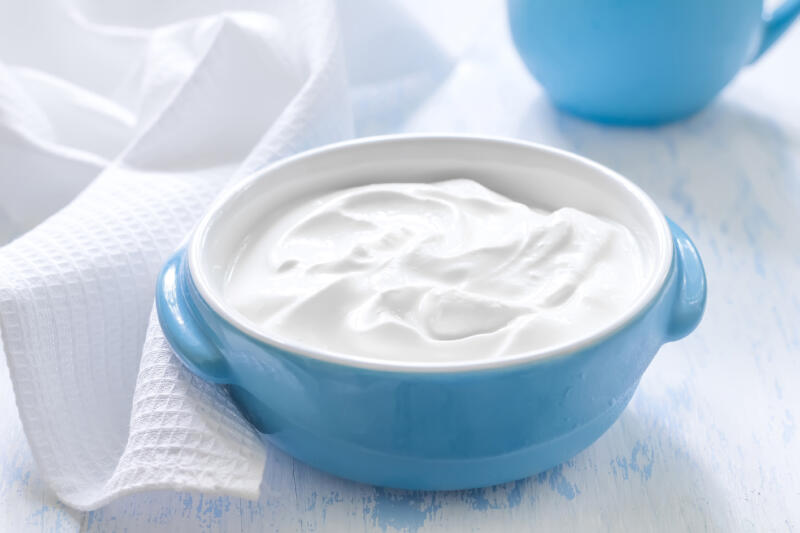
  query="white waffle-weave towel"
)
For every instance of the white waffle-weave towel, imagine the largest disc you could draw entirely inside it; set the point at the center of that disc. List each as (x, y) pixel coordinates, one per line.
(146, 110)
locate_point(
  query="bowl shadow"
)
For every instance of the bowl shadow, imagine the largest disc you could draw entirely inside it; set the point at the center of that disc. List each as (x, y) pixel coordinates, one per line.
(626, 480)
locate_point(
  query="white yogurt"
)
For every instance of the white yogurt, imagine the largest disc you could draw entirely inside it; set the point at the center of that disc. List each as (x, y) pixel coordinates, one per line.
(447, 271)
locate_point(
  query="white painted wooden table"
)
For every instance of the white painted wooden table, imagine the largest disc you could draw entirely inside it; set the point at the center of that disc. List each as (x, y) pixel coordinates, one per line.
(710, 440)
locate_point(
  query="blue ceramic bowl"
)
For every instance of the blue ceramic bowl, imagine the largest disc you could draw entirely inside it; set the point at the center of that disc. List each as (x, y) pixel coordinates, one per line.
(432, 425)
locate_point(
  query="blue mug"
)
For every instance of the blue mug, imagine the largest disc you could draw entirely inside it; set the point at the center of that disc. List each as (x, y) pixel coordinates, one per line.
(641, 62)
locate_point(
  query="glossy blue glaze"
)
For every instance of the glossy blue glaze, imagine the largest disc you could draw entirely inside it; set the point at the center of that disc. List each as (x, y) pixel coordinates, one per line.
(641, 62)
(430, 430)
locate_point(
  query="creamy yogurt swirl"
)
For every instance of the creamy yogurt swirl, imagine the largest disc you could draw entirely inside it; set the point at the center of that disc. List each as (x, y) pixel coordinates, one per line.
(432, 272)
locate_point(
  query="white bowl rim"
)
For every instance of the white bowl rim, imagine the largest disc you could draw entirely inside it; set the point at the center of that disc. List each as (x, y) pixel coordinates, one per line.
(662, 268)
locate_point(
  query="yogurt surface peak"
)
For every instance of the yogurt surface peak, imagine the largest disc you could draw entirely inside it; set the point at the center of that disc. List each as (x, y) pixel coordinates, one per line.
(432, 272)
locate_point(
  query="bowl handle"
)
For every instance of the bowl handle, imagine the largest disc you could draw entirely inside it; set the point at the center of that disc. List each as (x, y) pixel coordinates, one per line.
(180, 325)
(690, 301)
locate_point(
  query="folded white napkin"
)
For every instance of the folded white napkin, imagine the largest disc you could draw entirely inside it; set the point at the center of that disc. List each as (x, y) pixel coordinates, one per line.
(156, 107)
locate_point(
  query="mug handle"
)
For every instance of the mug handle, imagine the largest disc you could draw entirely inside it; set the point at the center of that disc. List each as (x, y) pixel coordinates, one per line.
(775, 24)
(180, 325)
(690, 301)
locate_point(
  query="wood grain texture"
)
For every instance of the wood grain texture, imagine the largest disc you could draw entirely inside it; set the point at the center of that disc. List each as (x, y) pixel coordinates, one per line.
(710, 440)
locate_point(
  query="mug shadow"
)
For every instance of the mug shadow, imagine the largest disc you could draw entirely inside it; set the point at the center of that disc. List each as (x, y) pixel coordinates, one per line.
(716, 170)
